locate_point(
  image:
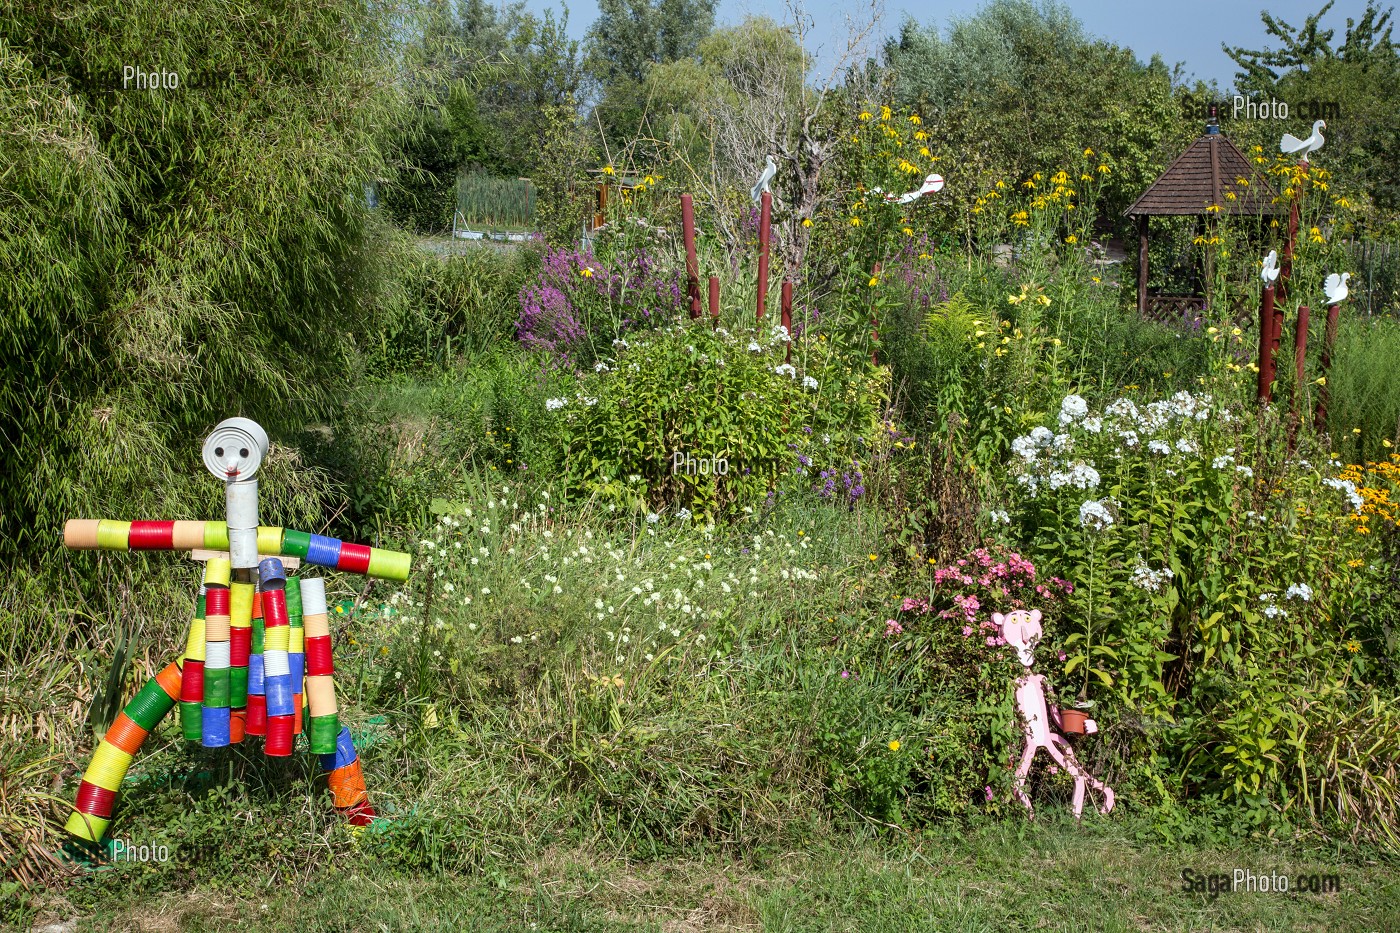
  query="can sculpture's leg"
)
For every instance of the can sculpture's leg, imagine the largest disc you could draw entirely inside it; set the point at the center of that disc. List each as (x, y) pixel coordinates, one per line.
(216, 715)
(277, 671)
(347, 781)
(98, 791)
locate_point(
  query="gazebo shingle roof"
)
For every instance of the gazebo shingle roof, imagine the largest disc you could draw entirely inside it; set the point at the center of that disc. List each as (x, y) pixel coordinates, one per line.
(1200, 177)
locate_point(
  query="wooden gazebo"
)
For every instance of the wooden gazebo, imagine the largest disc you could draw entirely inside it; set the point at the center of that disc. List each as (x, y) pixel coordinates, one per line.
(1205, 175)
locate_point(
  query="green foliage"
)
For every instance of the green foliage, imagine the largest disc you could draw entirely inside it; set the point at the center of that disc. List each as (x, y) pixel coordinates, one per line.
(448, 308)
(169, 253)
(1019, 85)
(1360, 75)
(702, 392)
(407, 444)
(675, 391)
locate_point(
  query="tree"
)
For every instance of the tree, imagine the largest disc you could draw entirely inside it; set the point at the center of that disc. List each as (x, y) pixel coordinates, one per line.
(1019, 87)
(626, 41)
(487, 80)
(175, 257)
(1361, 77)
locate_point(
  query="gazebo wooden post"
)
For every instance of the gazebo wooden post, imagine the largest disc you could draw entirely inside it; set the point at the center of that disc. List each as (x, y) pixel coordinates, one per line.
(1142, 264)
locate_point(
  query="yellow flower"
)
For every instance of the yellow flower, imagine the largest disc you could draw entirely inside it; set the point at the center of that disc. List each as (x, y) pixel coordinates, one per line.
(1355, 563)
(1056, 341)
(1386, 443)
(864, 115)
(1213, 209)
(1088, 152)
(1355, 430)
(1104, 170)
(806, 221)
(1235, 332)
(894, 745)
(914, 119)
(908, 231)
(1320, 380)
(1097, 280)
(1001, 185)
(885, 113)
(874, 280)
(1212, 330)
(855, 221)
(1071, 239)
(586, 272)
(874, 556)
(1045, 300)
(1353, 646)
(924, 151)
(925, 256)
(1086, 178)
(608, 170)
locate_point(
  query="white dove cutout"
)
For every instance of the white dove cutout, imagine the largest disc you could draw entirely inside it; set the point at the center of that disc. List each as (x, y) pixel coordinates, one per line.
(932, 183)
(769, 170)
(1336, 288)
(1270, 271)
(1291, 143)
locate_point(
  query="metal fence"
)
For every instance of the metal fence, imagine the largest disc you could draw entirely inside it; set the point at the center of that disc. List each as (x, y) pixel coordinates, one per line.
(1375, 278)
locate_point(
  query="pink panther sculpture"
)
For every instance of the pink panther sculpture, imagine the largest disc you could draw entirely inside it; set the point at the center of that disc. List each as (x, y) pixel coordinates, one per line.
(1022, 631)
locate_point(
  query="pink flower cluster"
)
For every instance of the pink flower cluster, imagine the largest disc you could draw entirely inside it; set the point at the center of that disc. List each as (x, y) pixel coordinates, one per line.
(986, 581)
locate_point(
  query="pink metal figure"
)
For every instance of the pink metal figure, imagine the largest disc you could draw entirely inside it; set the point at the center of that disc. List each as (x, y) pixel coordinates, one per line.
(1022, 631)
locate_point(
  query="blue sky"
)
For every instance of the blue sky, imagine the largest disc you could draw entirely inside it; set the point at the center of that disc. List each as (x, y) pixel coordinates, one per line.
(1189, 31)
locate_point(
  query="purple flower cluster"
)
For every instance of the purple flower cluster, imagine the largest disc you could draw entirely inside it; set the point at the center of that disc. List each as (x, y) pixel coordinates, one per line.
(926, 287)
(549, 317)
(555, 309)
(852, 482)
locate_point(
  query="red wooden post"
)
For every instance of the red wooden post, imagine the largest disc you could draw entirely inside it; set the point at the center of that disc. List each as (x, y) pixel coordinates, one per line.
(1266, 345)
(786, 316)
(692, 264)
(714, 300)
(1300, 345)
(765, 221)
(874, 334)
(1329, 337)
(1300, 354)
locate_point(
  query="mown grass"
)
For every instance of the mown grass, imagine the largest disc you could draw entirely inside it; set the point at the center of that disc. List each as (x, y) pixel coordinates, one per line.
(1052, 875)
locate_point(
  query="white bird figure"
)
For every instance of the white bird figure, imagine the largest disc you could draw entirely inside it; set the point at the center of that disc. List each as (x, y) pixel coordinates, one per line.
(769, 171)
(1291, 143)
(1336, 288)
(931, 184)
(1270, 271)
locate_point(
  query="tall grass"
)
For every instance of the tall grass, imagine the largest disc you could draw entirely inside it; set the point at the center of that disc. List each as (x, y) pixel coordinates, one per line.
(1363, 388)
(484, 199)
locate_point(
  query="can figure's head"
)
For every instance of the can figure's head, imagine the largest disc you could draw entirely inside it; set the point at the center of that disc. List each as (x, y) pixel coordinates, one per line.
(234, 450)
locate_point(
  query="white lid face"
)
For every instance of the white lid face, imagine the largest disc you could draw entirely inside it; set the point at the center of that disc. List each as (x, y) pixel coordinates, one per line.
(234, 450)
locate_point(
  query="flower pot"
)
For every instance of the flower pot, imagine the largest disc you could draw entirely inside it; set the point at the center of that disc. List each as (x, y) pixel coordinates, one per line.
(1072, 721)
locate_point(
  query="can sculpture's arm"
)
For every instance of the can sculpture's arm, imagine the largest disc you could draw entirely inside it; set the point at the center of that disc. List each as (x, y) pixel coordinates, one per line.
(102, 534)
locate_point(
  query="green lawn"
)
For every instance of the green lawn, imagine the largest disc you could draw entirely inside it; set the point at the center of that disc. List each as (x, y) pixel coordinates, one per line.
(1048, 876)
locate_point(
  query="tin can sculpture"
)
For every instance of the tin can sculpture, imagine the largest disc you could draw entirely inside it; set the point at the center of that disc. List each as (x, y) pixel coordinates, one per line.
(259, 645)
(1022, 632)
